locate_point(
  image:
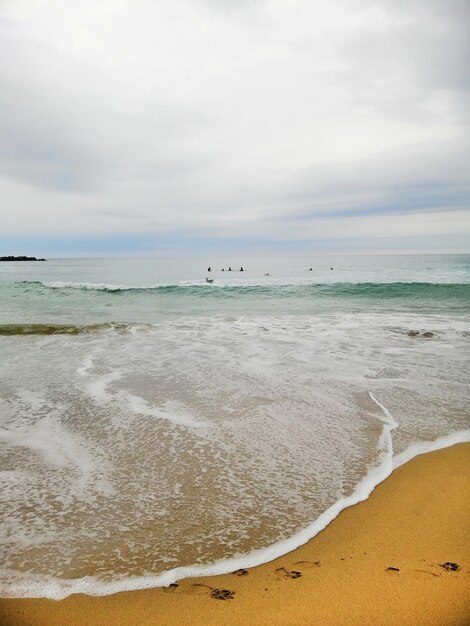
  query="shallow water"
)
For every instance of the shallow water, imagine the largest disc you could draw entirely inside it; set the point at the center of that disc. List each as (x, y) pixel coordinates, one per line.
(151, 422)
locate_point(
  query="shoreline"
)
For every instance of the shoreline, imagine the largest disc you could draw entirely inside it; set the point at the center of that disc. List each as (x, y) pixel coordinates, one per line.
(394, 542)
(365, 487)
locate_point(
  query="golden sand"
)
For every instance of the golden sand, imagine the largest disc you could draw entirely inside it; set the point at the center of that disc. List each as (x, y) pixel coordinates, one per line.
(382, 561)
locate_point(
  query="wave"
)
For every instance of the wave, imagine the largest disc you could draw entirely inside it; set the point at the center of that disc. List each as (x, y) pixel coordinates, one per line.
(80, 286)
(60, 329)
(363, 289)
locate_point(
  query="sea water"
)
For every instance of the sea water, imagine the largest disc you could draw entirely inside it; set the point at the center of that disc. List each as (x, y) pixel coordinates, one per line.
(154, 425)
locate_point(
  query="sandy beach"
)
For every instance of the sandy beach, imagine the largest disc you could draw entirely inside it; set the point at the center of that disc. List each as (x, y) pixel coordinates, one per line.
(401, 557)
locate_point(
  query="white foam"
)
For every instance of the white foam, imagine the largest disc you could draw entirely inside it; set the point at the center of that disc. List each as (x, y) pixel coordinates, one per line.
(422, 447)
(59, 589)
(245, 359)
(86, 365)
(27, 586)
(58, 284)
(33, 399)
(98, 389)
(54, 444)
(173, 412)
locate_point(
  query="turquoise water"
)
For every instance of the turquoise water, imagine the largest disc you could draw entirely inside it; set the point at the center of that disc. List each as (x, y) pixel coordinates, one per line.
(154, 425)
(87, 291)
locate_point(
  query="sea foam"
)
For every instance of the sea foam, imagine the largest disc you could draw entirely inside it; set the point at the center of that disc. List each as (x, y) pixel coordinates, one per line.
(179, 438)
(54, 589)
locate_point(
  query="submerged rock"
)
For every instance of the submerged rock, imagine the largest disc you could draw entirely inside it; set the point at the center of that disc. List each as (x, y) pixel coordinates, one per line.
(416, 333)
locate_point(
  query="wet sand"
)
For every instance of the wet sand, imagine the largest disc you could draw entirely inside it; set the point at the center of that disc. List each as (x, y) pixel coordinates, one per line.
(401, 557)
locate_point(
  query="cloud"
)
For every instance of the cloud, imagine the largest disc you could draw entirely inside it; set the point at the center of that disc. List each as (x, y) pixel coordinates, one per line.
(248, 119)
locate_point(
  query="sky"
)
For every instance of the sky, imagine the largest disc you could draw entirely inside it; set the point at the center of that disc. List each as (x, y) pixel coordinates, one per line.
(151, 127)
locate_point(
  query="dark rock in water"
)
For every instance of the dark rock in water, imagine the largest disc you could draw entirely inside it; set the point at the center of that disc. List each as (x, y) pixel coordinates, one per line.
(450, 567)
(416, 333)
(20, 258)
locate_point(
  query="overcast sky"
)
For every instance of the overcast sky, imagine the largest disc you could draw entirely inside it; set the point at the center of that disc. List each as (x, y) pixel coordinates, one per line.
(155, 126)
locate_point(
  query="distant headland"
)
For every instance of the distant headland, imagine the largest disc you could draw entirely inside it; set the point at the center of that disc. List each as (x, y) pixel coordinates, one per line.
(20, 258)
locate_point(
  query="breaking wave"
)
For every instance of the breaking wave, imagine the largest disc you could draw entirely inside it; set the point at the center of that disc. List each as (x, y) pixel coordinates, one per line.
(364, 289)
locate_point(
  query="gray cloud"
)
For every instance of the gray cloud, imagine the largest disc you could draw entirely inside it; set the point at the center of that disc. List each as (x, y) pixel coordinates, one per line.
(242, 118)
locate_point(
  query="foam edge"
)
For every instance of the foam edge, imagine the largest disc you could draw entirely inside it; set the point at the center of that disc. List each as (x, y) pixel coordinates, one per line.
(58, 590)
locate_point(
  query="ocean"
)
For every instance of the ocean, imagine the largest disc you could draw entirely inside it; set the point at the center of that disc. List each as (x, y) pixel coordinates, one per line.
(154, 425)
